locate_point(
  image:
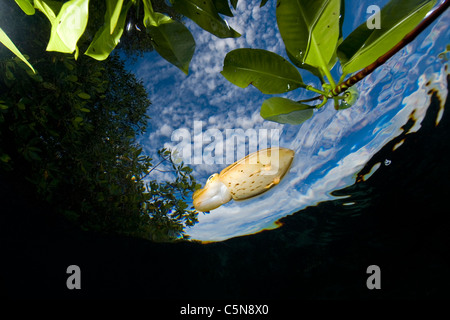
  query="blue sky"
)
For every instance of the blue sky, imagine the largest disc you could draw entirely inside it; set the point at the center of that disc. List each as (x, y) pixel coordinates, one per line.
(330, 148)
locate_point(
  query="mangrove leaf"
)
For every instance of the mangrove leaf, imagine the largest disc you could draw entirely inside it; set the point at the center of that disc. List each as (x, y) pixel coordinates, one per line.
(170, 38)
(114, 7)
(6, 41)
(364, 46)
(49, 8)
(204, 13)
(223, 7)
(174, 42)
(310, 30)
(267, 71)
(284, 110)
(104, 42)
(26, 6)
(68, 26)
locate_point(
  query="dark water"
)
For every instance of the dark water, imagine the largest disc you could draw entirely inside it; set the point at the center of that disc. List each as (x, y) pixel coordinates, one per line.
(399, 222)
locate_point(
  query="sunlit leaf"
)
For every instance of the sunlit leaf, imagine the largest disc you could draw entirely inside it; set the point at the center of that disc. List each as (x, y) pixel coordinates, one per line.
(310, 29)
(49, 8)
(267, 71)
(68, 26)
(113, 8)
(104, 42)
(152, 18)
(364, 46)
(283, 110)
(6, 41)
(204, 13)
(26, 6)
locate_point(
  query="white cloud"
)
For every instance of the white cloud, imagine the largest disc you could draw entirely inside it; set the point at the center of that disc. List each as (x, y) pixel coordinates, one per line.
(166, 130)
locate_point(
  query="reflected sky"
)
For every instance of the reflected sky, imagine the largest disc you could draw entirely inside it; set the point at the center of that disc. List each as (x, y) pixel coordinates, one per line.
(330, 148)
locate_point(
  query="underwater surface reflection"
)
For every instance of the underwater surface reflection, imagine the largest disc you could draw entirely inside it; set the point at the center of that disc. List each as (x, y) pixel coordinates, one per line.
(332, 147)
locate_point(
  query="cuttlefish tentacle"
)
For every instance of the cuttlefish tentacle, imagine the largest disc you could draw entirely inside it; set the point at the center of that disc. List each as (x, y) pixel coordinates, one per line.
(244, 179)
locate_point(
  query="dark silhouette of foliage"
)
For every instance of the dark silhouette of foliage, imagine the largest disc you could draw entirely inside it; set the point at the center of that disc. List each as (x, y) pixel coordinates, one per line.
(68, 140)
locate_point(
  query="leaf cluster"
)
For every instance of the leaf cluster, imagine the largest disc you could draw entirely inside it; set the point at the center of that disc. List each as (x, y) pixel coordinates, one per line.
(147, 25)
(68, 141)
(312, 34)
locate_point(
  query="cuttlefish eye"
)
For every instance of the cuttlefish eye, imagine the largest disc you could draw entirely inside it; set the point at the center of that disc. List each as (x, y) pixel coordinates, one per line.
(212, 177)
(244, 179)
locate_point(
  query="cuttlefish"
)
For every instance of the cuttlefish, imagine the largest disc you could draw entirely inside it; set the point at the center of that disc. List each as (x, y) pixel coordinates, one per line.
(244, 179)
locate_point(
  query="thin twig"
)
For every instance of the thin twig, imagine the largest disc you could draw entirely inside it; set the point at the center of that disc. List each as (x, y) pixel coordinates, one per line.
(165, 170)
(311, 99)
(164, 159)
(381, 60)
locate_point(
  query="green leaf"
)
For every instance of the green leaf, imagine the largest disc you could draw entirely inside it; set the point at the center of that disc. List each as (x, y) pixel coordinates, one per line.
(204, 13)
(315, 71)
(49, 8)
(170, 38)
(6, 41)
(21, 105)
(68, 26)
(152, 18)
(267, 71)
(104, 42)
(26, 6)
(34, 156)
(9, 75)
(72, 78)
(364, 46)
(113, 7)
(85, 110)
(69, 65)
(84, 95)
(310, 30)
(5, 158)
(234, 3)
(283, 110)
(174, 42)
(263, 3)
(49, 85)
(223, 7)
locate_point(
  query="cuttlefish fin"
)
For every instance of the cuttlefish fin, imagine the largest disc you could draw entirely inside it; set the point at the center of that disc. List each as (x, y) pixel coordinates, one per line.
(274, 182)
